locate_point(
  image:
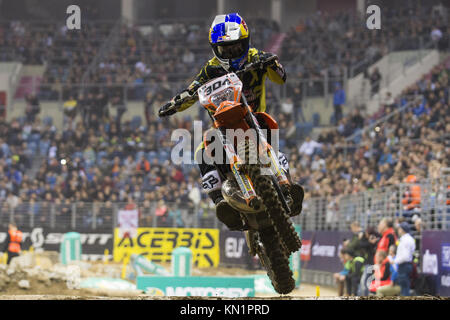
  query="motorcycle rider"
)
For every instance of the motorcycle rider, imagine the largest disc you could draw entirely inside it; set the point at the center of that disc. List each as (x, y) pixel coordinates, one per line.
(229, 38)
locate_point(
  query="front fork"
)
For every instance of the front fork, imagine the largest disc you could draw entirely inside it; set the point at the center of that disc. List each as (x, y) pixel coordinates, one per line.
(242, 179)
(266, 152)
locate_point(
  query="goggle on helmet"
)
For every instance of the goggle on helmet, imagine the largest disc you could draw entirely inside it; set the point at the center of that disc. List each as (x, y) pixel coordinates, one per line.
(229, 38)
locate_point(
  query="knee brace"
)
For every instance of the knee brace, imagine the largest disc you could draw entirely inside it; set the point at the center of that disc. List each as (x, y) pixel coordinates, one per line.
(211, 181)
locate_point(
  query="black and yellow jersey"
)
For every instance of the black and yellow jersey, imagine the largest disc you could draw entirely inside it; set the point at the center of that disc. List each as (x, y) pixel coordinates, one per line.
(253, 81)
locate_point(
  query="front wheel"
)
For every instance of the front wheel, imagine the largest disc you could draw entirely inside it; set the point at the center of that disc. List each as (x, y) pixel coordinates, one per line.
(265, 187)
(275, 261)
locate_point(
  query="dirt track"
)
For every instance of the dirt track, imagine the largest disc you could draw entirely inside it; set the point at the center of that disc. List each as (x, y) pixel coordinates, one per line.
(56, 289)
(305, 292)
(144, 297)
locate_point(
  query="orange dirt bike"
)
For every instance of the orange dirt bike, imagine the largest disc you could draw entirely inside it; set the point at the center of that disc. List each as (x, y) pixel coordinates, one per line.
(254, 182)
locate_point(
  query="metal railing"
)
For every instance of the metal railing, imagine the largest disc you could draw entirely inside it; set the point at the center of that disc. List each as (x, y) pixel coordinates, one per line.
(369, 207)
(103, 216)
(319, 213)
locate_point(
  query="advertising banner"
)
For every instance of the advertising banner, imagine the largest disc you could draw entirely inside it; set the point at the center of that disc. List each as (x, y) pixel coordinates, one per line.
(234, 249)
(128, 222)
(320, 250)
(157, 244)
(435, 253)
(49, 239)
(230, 287)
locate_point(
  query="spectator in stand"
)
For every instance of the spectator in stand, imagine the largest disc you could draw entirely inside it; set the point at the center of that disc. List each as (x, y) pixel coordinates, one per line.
(356, 269)
(411, 198)
(356, 120)
(148, 106)
(143, 166)
(70, 109)
(338, 101)
(385, 275)
(33, 108)
(297, 97)
(287, 106)
(436, 35)
(309, 147)
(404, 258)
(375, 81)
(120, 106)
(389, 102)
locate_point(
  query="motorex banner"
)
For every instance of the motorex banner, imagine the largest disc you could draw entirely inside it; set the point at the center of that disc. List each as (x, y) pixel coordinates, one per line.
(435, 254)
(230, 287)
(320, 250)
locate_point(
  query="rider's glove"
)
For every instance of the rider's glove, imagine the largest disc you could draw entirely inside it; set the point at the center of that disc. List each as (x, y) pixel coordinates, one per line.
(273, 64)
(261, 57)
(165, 111)
(215, 71)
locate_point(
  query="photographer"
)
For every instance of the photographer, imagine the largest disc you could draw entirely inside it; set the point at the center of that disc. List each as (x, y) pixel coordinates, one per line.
(367, 245)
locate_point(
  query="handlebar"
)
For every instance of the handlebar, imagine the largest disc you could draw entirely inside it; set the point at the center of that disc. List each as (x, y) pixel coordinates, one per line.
(174, 105)
(256, 65)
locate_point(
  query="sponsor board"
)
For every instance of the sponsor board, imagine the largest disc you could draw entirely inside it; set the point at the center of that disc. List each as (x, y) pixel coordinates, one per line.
(230, 287)
(305, 250)
(320, 250)
(435, 251)
(157, 244)
(445, 281)
(49, 239)
(430, 263)
(128, 222)
(445, 256)
(234, 249)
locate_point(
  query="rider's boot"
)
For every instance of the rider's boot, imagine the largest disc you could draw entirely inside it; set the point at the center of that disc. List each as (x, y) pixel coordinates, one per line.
(225, 213)
(295, 190)
(297, 193)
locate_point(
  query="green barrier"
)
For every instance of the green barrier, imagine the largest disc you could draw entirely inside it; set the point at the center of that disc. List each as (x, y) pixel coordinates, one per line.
(294, 259)
(182, 262)
(232, 287)
(70, 248)
(140, 263)
(263, 284)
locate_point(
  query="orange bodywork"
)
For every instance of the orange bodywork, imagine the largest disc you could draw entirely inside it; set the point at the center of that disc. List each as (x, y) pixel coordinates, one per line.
(271, 123)
(231, 115)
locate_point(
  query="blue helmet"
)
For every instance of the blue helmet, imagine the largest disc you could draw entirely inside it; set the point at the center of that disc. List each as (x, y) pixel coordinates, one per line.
(229, 38)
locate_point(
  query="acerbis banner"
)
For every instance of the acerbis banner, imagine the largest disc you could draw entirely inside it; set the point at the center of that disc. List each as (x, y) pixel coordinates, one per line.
(435, 254)
(157, 244)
